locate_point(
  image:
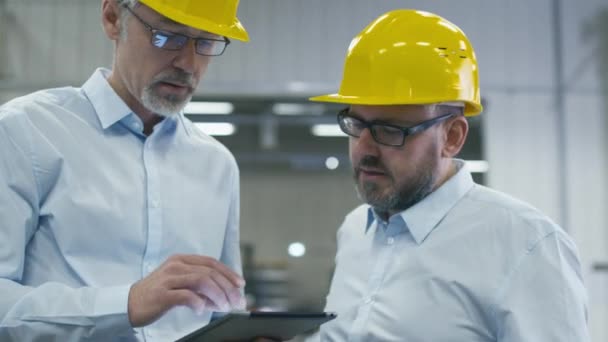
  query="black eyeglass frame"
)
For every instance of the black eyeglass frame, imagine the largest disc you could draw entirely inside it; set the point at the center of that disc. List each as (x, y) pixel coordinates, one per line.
(406, 131)
(166, 33)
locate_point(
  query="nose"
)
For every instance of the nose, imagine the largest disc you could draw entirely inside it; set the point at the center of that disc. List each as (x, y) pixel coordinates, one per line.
(188, 60)
(365, 142)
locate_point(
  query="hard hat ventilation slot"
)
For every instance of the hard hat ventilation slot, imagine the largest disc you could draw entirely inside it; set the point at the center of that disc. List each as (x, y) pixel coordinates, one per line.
(463, 50)
(442, 51)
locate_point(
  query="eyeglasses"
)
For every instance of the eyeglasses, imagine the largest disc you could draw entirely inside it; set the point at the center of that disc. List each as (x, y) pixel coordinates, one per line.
(175, 41)
(383, 133)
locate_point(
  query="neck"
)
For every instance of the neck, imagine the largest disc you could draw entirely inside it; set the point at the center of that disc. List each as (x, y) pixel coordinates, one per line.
(446, 170)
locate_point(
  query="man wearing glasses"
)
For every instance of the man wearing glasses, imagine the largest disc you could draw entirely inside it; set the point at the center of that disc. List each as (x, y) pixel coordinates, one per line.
(432, 256)
(102, 186)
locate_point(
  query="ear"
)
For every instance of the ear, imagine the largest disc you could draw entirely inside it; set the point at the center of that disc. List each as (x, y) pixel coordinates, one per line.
(455, 136)
(110, 19)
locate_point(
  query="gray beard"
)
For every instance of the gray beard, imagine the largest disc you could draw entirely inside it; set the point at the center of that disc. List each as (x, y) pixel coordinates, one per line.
(166, 106)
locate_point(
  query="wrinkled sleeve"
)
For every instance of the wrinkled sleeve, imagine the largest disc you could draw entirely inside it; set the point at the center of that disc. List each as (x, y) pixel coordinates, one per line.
(545, 298)
(51, 311)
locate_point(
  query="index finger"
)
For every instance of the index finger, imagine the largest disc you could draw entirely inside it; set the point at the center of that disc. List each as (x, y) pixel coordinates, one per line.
(201, 260)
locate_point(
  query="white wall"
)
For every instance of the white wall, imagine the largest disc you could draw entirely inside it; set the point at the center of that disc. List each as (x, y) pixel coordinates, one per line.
(297, 47)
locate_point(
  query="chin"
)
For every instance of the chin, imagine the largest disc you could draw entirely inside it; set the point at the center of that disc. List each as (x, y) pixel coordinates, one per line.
(164, 109)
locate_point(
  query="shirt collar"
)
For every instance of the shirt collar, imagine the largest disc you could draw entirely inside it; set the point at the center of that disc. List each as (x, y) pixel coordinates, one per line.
(425, 216)
(187, 128)
(110, 108)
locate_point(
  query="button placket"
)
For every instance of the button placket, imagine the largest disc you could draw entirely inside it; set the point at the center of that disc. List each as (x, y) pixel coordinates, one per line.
(154, 210)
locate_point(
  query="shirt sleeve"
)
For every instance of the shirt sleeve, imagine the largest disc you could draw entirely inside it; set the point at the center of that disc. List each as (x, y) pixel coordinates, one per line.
(544, 299)
(51, 311)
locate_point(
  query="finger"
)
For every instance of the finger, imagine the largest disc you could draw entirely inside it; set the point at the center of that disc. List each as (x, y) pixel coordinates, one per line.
(234, 294)
(202, 284)
(190, 299)
(214, 293)
(209, 305)
(175, 267)
(200, 260)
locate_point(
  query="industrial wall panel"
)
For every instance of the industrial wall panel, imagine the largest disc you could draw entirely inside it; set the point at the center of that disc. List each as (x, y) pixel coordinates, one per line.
(296, 46)
(520, 146)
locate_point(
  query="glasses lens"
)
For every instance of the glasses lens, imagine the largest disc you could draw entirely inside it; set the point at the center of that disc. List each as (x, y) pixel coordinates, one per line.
(350, 125)
(168, 41)
(210, 47)
(387, 135)
(159, 40)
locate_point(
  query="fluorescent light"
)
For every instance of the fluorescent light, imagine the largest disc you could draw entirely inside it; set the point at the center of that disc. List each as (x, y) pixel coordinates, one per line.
(216, 128)
(327, 130)
(296, 249)
(297, 108)
(217, 108)
(477, 166)
(298, 86)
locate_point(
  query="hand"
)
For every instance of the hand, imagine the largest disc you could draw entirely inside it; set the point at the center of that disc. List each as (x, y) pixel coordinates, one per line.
(199, 282)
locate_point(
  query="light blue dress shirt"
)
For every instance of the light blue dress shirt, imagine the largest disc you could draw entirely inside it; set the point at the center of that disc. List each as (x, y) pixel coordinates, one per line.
(465, 264)
(89, 205)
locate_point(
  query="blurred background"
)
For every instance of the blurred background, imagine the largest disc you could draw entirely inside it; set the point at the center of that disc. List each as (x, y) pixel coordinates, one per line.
(542, 137)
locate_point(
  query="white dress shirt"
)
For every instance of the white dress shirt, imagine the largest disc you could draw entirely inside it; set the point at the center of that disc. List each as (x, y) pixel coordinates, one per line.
(465, 264)
(89, 205)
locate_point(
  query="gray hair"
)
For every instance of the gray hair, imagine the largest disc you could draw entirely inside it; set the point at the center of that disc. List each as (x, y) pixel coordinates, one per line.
(455, 108)
(129, 3)
(124, 14)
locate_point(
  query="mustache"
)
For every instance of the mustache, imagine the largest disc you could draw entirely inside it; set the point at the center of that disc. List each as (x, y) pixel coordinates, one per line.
(175, 76)
(370, 162)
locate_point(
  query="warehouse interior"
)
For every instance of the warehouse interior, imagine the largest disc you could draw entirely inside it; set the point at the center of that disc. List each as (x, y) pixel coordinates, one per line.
(542, 136)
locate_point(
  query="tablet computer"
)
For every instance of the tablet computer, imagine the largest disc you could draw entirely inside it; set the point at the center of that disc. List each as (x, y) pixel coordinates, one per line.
(247, 325)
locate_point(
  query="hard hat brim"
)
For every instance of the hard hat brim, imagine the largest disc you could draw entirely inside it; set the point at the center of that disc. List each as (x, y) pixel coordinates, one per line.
(233, 30)
(471, 108)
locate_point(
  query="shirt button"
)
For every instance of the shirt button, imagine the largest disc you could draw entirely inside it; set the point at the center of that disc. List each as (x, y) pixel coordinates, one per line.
(149, 267)
(390, 240)
(154, 204)
(136, 126)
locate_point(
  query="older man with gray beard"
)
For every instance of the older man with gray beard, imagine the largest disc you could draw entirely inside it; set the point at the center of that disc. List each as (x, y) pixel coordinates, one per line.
(118, 218)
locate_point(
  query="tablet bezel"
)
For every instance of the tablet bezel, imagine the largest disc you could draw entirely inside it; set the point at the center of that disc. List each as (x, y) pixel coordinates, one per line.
(282, 325)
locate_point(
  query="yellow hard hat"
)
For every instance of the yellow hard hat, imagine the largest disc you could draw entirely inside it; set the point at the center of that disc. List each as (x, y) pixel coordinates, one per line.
(409, 57)
(215, 16)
